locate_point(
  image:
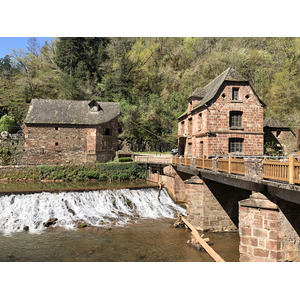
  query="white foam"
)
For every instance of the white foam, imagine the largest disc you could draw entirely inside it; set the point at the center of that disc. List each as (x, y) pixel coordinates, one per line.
(97, 208)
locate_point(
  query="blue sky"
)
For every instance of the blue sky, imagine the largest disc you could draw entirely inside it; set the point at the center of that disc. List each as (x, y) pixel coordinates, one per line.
(9, 43)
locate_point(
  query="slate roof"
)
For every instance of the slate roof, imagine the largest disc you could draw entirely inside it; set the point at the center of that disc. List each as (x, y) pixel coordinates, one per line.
(70, 112)
(210, 90)
(273, 123)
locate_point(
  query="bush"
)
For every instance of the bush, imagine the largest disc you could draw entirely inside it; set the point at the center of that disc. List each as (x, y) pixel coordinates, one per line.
(100, 171)
(123, 176)
(125, 159)
(91, 174)
(7, 123)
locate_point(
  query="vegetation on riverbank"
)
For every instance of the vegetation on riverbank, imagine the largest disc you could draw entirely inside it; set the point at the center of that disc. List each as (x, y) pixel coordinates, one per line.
(98, 171)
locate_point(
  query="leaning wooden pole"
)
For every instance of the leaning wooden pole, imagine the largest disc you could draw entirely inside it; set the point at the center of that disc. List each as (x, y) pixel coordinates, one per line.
(196, 235)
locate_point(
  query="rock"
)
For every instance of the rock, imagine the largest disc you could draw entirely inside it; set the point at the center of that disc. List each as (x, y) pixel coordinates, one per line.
(50, 222)
(26, 228)
(71, 211)
(82, 225)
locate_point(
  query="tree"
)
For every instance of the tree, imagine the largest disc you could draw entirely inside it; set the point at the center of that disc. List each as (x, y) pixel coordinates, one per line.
(7, 123)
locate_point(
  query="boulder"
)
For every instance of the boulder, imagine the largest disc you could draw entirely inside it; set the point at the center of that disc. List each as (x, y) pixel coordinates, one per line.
(50, 222)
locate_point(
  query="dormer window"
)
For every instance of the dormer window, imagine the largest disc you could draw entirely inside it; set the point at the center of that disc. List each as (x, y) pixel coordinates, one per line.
(107, 131)
(235, 94)
(94, 106)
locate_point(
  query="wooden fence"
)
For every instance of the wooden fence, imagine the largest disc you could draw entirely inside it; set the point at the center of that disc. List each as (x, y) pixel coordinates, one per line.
(282, 171)
(273, 169)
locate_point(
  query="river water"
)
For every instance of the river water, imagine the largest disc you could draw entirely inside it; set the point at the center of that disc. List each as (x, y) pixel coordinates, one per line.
(127, 225)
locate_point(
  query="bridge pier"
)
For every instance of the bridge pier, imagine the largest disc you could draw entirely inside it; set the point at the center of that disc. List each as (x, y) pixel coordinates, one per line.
(269, 226)
(212, 206)
(269, 229)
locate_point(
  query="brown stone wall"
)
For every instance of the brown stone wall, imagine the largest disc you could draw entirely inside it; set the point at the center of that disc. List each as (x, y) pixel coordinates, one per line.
(216, 119)
(60, 144)
(268, 231)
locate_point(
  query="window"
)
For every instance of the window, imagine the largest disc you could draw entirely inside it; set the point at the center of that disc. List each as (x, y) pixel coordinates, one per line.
(182, 127)
(201, 149)
(235, 119)
(190, 126)
(56, 128)
(236, 145)
(235, 93)
(56, 143)
(107, 131)
(190, 148)
(199, 122)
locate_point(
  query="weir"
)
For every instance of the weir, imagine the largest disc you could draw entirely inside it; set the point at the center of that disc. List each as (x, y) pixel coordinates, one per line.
(96, 208)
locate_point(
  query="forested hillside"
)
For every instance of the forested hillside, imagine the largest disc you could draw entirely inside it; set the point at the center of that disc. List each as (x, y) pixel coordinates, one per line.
(150, 77)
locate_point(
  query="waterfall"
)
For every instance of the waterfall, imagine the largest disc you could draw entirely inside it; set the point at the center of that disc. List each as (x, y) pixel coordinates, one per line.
(96, 208)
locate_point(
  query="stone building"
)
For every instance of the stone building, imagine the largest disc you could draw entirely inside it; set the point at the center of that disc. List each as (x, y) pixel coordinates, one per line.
(279, 138)
(226, 116)
(67, 131)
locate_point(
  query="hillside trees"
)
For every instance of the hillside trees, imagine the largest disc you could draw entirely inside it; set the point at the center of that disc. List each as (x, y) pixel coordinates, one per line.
(151, 77)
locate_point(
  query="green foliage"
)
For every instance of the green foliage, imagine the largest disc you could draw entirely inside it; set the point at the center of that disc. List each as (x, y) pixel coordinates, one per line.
(125, 159)
(7, 123)
(150, 77)
(99, 171)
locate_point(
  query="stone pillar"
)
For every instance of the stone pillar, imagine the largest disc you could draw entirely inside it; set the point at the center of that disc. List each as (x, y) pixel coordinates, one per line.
(206, 209)
(268, 231)
(254, 169)
(174, 184)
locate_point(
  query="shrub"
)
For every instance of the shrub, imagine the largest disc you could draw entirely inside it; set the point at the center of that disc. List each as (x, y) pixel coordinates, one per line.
(7, 123)
(91, 174)
(123, 176)
(125, 159)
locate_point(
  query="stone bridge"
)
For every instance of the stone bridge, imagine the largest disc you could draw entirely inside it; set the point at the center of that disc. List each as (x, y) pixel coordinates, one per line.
(260, 198)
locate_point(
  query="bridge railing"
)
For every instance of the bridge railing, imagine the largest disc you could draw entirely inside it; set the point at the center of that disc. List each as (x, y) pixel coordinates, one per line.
(271, 169)
(282, 170)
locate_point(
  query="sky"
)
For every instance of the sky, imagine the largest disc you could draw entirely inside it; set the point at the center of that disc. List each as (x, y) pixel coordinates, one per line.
(9, 43)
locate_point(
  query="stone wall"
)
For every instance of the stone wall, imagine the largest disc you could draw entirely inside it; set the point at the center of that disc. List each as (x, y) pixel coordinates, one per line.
(215, 121)
(213, 206)
(269, 231)
(61, 144)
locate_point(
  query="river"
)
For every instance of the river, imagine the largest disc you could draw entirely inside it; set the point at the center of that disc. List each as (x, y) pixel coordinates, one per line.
(127, 225)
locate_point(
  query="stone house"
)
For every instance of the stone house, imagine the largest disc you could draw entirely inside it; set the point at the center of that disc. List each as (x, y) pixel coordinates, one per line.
(225, 116)
(279, 137)
(68, 131)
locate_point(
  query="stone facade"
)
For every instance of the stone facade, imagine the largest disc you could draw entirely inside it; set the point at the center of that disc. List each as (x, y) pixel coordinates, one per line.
(268, 231)
(72, 132)
(206, 129)
(61, 144)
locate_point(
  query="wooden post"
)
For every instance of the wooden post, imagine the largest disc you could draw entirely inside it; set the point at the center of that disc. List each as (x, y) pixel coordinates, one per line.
(229, 164)
(202, 242)
(291, 169)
